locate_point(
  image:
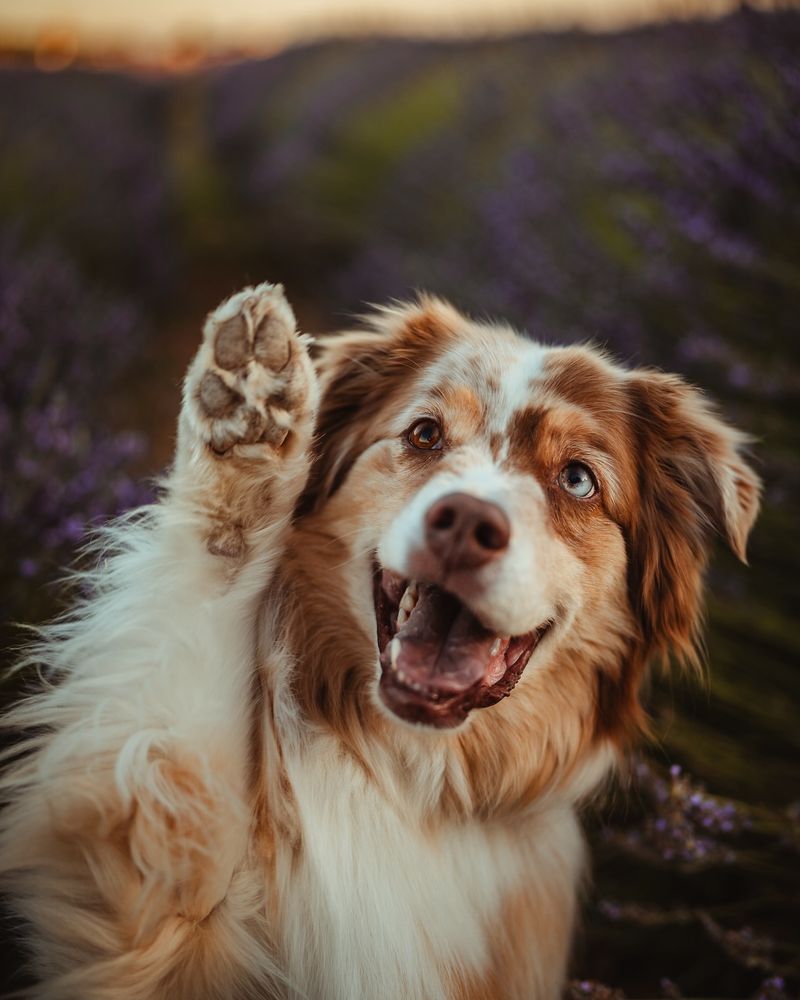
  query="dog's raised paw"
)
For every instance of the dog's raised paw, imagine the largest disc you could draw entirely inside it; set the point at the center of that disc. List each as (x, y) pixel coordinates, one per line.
(250, 380)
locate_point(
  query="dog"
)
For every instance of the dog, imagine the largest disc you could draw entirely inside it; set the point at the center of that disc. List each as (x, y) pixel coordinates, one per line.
(322, 725)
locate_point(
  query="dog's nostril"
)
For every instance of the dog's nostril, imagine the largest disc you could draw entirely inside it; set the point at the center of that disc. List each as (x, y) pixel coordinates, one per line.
(443, 518)
(491, 536)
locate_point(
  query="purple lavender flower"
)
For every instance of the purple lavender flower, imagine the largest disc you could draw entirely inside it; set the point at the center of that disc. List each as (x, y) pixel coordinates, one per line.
(772, 989)
(683, 824)
(60, 342)
(586, 989)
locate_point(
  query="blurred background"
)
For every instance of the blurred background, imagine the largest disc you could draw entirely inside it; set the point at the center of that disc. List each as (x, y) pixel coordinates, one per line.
(626, 172)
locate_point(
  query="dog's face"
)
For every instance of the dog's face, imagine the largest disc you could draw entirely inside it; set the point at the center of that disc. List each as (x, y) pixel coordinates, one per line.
(519, 521)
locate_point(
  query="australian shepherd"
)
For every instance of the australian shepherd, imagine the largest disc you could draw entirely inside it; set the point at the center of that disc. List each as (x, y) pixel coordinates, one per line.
(323, 723)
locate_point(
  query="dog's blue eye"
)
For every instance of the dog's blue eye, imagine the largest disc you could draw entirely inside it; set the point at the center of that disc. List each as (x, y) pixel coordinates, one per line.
(577, 480)
(425, 434)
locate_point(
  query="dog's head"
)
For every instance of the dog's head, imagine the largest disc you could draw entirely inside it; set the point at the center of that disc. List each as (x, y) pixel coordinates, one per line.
(519, 520)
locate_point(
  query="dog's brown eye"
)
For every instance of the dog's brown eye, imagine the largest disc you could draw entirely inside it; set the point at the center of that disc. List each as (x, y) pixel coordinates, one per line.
(425, 434)
(577, 480)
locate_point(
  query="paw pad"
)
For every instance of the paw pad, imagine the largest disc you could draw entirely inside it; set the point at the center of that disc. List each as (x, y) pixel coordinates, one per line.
(271, 346)
(216, 398)
(230, 344)
(250, 378)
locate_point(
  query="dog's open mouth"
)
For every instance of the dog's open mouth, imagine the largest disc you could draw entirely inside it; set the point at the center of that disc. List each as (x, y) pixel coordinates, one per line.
(438, 661)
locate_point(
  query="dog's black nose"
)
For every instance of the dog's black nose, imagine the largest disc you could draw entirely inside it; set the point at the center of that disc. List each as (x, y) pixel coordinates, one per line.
(465, 532)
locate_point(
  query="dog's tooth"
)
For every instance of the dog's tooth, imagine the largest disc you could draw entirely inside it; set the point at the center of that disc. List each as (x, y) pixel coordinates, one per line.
(402, 617)
(394, 650)
(496, 646)
(409, 601)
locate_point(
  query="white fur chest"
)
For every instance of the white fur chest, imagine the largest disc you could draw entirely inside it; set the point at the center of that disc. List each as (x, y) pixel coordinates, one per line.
(378, 907)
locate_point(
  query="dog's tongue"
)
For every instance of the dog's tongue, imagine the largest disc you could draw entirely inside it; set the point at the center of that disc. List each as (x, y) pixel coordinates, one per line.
(442, 646)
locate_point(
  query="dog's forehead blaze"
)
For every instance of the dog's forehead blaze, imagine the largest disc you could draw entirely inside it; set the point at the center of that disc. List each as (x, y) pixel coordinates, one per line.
(481, 377)
(499, 375)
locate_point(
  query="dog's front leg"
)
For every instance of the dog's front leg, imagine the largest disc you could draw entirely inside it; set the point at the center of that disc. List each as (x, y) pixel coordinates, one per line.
(127, 841)
(243, 452)
(249, 404)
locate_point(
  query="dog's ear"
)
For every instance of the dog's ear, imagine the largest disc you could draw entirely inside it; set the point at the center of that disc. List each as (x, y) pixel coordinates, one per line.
(693, 483)
(351, 369)
(364, 372)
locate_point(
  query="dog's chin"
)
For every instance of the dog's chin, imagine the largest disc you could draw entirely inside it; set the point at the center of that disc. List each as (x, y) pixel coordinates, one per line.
(438, 661)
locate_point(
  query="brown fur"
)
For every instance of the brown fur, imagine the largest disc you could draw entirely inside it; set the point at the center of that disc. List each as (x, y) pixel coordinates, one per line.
(664, 442)
(255, 840)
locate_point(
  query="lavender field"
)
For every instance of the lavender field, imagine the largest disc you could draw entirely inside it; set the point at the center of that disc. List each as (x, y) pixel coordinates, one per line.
(640, 190)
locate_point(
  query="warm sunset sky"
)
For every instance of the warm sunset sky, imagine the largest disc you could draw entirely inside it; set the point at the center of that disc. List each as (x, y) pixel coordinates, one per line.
(269, 23)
